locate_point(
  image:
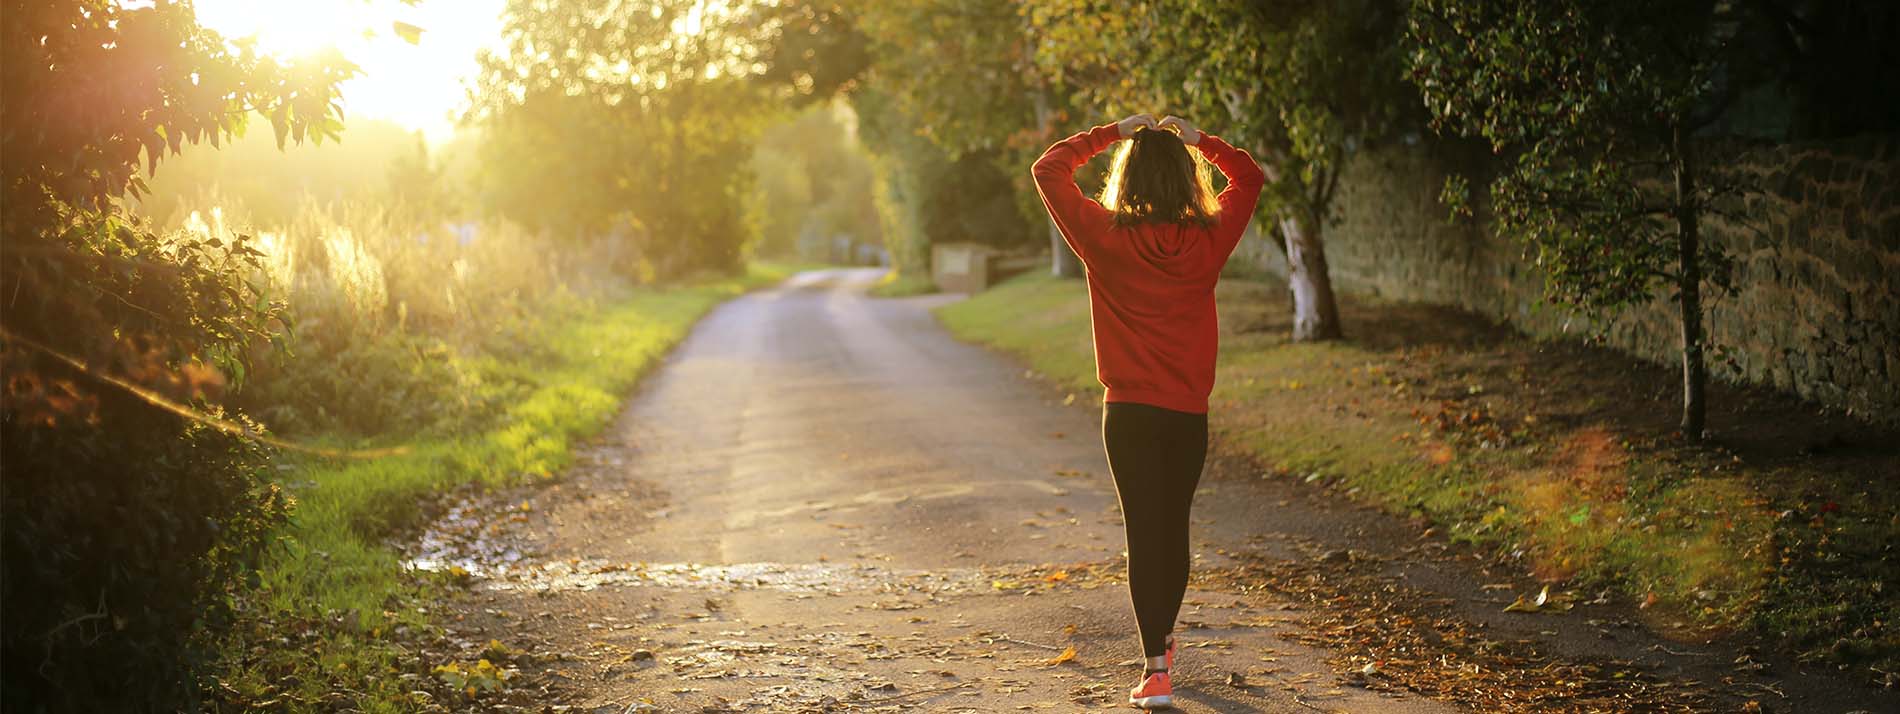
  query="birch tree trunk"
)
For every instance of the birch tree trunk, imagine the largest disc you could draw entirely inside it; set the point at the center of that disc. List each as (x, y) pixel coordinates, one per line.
(1689, 284)
(1315, 314)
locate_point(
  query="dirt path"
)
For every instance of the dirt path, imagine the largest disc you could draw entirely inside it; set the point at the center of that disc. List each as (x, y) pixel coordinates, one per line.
(822, 502)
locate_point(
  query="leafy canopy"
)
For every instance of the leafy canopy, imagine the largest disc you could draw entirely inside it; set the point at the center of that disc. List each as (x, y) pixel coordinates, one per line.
(1299, 84)
(604, 115)
(1586, 97)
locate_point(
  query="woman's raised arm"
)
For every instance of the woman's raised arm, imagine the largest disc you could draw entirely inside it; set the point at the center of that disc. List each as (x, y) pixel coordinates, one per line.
(1244, 181)
(1079, 218)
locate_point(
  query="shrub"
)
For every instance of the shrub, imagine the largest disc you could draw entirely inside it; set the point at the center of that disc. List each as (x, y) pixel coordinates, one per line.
(127, 513)
(122, 541)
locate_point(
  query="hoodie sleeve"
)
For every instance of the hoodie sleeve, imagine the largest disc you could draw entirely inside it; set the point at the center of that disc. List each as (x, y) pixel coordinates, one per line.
(1244, 181)
(1081, 220)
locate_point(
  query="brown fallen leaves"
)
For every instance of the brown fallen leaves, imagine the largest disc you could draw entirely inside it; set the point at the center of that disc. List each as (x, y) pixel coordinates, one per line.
(1388, 637)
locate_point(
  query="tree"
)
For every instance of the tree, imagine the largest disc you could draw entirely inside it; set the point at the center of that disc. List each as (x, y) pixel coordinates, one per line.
(117, 342)
(811, 50)
(642, 117)
(1597, 103)
(812, 176)
(962, 76)
(417, 185)
(1300, 85)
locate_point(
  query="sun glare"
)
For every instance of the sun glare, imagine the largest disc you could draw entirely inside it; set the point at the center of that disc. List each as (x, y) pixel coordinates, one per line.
(292, 28)
(416, 84)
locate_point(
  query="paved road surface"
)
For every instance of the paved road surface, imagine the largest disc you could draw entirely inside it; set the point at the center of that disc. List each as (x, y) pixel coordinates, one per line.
(822, 496)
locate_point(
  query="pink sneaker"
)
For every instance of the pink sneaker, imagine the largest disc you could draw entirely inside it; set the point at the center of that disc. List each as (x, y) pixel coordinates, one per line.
(1154, 693)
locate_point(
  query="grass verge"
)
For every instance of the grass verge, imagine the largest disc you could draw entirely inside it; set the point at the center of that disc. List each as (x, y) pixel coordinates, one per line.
(334, 619)
(1556, 455)
(895, 284)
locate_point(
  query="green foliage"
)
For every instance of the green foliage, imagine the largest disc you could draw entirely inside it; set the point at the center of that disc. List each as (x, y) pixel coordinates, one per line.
(811, 50)
(896, 195)
(637, 128)
(1298, 84)
(953, 101)
(1584, 96)
(956, 72)
(92, 85)
(124, 524)
(927, 194)
(124, 540)
(1598, 104)
(812, 174)
(418, 187)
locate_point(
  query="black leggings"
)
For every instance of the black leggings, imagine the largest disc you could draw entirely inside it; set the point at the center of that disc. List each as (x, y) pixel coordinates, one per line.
(1156, 456)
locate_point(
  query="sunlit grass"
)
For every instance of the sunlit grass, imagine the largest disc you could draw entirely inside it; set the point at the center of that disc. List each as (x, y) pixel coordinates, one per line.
(1045, 322)
(897, 284)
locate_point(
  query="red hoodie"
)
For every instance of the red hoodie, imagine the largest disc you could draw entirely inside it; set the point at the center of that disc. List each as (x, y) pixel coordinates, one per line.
(1151, 285)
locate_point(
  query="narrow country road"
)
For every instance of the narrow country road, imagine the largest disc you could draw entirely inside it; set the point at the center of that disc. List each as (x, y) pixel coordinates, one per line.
(821, 502)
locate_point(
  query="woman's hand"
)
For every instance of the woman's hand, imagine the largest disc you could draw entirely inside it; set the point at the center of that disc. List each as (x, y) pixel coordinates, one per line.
(1135, 123)
(1189, 134)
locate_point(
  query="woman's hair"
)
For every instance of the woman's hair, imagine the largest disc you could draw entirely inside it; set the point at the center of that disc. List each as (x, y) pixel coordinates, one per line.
(1157, 180)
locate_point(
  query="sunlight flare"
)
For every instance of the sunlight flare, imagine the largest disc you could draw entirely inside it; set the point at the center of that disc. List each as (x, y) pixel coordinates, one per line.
(414, 59)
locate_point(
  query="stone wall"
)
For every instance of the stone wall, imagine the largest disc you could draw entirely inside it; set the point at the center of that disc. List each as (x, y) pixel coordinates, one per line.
(1816, 307)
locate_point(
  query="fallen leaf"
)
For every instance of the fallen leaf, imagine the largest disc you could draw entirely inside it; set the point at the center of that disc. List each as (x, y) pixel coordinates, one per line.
(1542, 603)
(1067, 655)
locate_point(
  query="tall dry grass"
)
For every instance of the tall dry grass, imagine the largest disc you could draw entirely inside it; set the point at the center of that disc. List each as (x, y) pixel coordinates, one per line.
(381, 305)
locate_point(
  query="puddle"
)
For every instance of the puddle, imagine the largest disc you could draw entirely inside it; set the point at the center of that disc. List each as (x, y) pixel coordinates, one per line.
(478, 538)
(468, 536)
(588, 574)
(470, 540)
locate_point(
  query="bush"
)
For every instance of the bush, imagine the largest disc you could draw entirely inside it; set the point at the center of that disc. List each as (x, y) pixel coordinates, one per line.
(380, 307)
(127, 515)
(122, 542)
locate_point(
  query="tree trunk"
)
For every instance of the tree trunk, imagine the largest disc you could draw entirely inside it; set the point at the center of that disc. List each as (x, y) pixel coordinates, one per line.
(1689, 285)
(1063, 263)
(1315, 314)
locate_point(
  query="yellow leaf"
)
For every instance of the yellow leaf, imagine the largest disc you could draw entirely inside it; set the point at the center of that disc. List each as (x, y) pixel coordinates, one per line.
(1067, 655)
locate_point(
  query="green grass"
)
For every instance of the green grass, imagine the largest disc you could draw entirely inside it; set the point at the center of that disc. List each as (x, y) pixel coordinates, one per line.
(895, 284)
(336, 584)
(1510, 444)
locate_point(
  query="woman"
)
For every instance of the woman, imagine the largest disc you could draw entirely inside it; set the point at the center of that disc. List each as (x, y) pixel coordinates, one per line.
(1153, 248)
